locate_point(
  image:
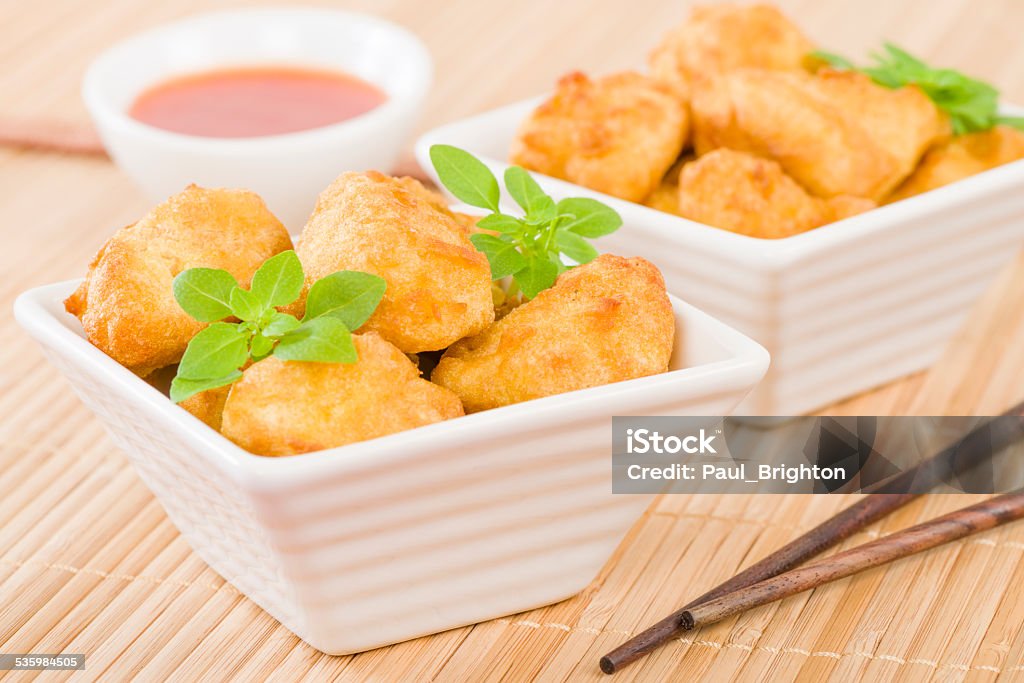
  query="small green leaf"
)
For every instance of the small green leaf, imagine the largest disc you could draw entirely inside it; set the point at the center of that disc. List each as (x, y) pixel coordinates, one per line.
(182, 388)
(204, 293)
(466, 177)
(972, 105)
(215, 352)
(499, 222)
(592, 218)
(1012, 121)
(348, 295)
(260, 346)
(322, 340)
(556, 258)
(280, 323)
(527, 193)
(504, 258)
(246, 305)
(575, 247)
(543, 215)
(536, 276)
(278, 282)
(833, 60)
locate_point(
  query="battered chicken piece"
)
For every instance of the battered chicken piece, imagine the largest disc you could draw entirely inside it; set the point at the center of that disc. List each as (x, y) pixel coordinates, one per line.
(835, 132)
(286, 407)
(752, 196)
(720, 38)
(208, 405)
(604, 322)
(961, 157)
(617, 135)
(438, 284)
(666, 195)
(126, 303)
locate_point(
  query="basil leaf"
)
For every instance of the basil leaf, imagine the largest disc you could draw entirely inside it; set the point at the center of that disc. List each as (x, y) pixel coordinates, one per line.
(322, 340)
(1012, 121)
(245, 305)
(499, 222)
(542, 216)
(280, 323)
(204, 293)
(260, 346)
(556, 258)
(278, 281)
(972, 105)
(527, 193)
(466, 177)
(575, 247)
(215, 352)
(348, 295)
(182, 388)
(536, 276)
(592, 218)
(504, 258)
(833, 60)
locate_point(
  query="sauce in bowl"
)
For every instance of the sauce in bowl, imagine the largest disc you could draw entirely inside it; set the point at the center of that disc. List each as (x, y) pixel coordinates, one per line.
(254, 101)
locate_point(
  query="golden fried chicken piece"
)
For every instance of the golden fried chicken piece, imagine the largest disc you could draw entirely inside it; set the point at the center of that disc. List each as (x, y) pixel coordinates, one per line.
(286, 407)
(126, 303)
(961, 157)
(666, 195)
(438, 284)
(752, 196)
(834, 132)
(432, 197)
(617, 135)
(720, 38)
(208, 405)
(604, 322)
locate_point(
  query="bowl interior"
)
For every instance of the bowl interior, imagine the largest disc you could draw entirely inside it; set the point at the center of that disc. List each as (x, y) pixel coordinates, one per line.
(372, 49)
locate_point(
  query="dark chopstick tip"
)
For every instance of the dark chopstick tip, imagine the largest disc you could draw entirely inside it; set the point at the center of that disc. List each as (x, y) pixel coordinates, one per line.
(607, 665)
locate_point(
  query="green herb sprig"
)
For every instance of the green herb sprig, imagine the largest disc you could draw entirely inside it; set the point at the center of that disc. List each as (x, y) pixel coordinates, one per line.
(972, 105)
(529, 247)
(335, 305)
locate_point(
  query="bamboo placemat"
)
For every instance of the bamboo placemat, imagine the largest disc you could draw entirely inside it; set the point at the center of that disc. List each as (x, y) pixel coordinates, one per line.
(89, 562)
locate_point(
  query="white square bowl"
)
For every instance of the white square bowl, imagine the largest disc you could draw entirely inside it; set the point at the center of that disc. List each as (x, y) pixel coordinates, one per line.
(429, 529)
(841, 308)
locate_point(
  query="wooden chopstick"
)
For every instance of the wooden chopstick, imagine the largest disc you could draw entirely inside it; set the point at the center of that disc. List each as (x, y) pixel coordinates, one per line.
(980, 444)
(51, 135)
(949, 527)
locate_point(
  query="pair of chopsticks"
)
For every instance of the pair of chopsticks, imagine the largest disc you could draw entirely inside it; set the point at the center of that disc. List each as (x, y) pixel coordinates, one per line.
(779, 575)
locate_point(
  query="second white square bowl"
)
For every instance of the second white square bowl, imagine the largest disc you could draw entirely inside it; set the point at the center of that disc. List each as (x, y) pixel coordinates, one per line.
(841, 308)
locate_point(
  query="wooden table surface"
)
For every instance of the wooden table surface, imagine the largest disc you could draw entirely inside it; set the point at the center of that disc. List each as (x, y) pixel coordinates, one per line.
(89, 562)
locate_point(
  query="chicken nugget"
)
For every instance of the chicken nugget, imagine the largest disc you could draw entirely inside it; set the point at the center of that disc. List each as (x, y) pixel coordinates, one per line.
(719, 38)
(438, 284)
(289, 407)
(834, 132)
(607, 321)
(617, 135)
(961, 157)
(752, 196)
(126, 303)
(666, 195)
(208, 405)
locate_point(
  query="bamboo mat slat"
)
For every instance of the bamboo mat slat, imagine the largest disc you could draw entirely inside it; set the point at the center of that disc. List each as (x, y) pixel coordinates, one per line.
(90, 563)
